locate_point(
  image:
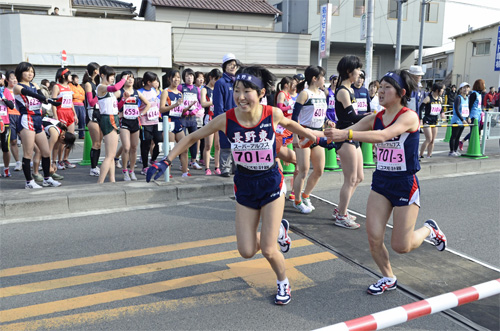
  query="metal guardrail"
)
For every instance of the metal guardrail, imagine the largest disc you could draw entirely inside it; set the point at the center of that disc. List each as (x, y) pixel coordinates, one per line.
(491, 129)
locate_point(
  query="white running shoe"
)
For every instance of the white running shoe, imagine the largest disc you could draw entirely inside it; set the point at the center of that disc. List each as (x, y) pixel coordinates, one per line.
(61, 165)
(336, 212)
(132, 175)
(436, 237)
(50, 182)
(118, 164)
(195, 165)
(382, 285)
(307, 202)
(302, 208)
(32, 185)
(283, 296)
(18, 166)
(344, 222)
(284, 240)
(126, 176)
(96, 172)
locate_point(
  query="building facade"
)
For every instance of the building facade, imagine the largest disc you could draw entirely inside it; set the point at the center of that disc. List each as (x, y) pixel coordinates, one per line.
(475, 56)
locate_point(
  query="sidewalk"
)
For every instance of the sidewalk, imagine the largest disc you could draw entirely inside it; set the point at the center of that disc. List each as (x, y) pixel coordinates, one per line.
(80, 192)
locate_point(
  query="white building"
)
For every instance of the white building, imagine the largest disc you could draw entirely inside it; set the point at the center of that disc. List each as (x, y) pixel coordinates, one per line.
(475, 56)
(101, 31)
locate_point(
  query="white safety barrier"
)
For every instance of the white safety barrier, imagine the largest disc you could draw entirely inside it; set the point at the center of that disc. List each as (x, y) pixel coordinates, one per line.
(490, 128)
(402, 314)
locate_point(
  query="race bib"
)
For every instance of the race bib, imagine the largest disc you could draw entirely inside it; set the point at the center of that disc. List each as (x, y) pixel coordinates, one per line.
(280, 129)
(190, 98)
(362, 105)
(253, 156)
(355, 107)
(67, 100)
(319, 115)
(331, 103)
(130, 112)
(153, 114)
(435, 109)
(33, 104)
(3, 109)
(465, 111)
(391, 156)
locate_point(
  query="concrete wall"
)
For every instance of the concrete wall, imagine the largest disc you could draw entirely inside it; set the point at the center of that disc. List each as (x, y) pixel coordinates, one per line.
(84, 39)
(468, 67)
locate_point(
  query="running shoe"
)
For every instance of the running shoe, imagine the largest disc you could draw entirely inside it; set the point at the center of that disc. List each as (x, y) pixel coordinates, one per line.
(284, 240)
(302, 207)
(202, 162)
(68, 164)
(95, 172)
(118, 163)
(461, 145)
(208, 172)
(382, 285)
(436, 237)
(132, 175)
(307, 202)
(336, 212)
(291, 197)
(144, 171)
(126, 176)
(57, 176)
(186, 174)
(18, 166)
(61, 165)
(284, 294)
(194, 165)
(6, 172)
(225, 174)
(38, 178)
(32, 185)
(217, 171)
(50, 182)
(344, 222)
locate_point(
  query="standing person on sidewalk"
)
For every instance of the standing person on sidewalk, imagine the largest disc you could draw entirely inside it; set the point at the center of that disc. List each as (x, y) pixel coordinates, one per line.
(259, 189)
(361, 94)
(432, 108)
(64, 113)
(78, 99)
(349, 152)
(395, 189)
(107, 94)
(461, 113)
(476, 109)
(6, 102)
(223, 101)
(28, 101)
(93, 115)
(14, 116)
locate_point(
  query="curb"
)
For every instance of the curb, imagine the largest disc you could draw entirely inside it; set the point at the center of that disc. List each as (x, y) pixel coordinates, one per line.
(81, 198)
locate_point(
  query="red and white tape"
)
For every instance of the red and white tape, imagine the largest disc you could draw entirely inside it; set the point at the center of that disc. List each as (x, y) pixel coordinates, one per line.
(398, 315)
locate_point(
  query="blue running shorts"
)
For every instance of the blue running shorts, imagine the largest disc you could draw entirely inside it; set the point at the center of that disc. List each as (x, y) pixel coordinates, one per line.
(399, 190)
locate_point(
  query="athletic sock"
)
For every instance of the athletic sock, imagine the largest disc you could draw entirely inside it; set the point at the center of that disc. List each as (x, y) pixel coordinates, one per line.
(305, 196)
(27, 169)
(297, 202)
(46, 167)
(283, 282)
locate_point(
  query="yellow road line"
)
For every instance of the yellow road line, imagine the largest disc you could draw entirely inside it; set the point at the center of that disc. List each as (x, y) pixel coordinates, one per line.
(114, 256)
(110, 315)
(124, 272)
(135, 291)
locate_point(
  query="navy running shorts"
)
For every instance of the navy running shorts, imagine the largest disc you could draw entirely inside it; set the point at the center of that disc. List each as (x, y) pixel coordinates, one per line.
(257, 189)
(399, 190)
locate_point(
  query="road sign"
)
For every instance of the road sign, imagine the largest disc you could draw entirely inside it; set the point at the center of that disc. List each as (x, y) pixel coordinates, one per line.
(497, 55)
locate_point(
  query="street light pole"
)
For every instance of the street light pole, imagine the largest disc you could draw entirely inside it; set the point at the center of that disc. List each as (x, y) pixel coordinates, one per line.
(369, 40)
(397, 58)
(421, 43)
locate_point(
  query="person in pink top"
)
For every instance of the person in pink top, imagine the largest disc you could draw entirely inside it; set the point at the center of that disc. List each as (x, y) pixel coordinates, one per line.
(6, 102)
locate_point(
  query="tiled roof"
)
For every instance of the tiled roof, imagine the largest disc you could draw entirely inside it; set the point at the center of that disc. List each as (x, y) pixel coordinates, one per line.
(241, 6)
(217, 65)
(104, 3)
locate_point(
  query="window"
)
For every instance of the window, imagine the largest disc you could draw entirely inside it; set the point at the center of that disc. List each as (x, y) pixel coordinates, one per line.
(359, 8)
(481, 48)
(335, 6)
(431, 13)
(279, 6)
(392, 12)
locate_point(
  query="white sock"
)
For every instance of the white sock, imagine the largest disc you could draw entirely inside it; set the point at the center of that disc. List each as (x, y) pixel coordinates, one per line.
(283, 282)
(391, 279)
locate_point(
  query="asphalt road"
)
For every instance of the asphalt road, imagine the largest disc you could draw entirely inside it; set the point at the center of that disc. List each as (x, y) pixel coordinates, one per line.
(176, 268)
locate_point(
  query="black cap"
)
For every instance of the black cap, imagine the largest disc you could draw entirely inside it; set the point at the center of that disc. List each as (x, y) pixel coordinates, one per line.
(299, 77)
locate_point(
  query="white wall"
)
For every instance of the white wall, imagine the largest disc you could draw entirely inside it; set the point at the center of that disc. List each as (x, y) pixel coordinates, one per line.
(120, 43)
(200, 45)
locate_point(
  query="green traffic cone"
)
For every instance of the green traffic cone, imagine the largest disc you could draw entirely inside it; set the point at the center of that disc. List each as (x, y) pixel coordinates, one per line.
(331, 160)
(288, 169)
(367, 150)
(474, 149)
(448, 134)
(87, 146)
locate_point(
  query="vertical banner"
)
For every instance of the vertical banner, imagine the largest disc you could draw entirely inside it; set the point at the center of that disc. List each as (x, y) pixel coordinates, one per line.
(324, 32)
(497, 54)
(363, 25)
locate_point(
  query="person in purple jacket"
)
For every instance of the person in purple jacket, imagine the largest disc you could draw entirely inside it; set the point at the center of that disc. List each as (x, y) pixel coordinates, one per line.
(223, 101)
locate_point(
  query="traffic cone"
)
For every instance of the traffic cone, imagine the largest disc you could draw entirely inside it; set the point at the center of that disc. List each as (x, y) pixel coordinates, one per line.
(289, 169)
(87, 145)
(474, 149)
(448, 134)
(331, 160)
(367, 150)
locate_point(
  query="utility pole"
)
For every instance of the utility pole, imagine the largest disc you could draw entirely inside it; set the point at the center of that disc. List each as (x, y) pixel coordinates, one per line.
(397, 58)
(421, 43)
(369, 41)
